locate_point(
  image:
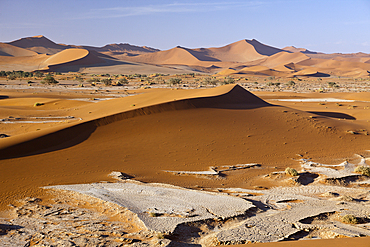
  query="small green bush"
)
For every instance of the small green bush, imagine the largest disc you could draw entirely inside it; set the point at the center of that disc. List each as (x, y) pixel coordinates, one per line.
(291, 171)
(123, 81)
(49, 80)
(38, 104)
(290, 83)
(153, 214)
(79, 79)
(12, 77)
(210, 81)
(173, 81)
(93, 80)
(228, 80)
(349, 219)
(332, 84)
(107, 82)
(364, 170)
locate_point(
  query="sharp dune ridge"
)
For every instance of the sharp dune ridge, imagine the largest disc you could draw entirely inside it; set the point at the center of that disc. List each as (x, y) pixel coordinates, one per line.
(243, 53)
(206, 125)
(234, 97)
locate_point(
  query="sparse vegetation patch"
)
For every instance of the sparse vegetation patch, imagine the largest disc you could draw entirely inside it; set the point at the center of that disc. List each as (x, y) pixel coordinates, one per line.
(364, 170)
(291, 171)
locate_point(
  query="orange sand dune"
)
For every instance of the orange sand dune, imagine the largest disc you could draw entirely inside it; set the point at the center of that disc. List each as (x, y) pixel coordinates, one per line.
(295, 49)
(290, 67)
(286, 62)
(309, 72)
(335, 67)
(243, 51)
(283, 58)
(177, 55)
(63, 57)
(171, 130)
(343, 64)
(25, 63)
(359, 59)
(71, 59)
(10, 50)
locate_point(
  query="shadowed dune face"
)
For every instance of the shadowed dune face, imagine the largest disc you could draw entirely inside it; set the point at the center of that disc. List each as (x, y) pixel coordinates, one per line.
(236, 98)
(263, 49)
(335, 115)
(63, 57)
(235, 127)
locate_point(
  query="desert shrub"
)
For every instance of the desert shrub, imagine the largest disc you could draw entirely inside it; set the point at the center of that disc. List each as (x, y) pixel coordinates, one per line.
(38, 104)
(15, 74)
(161, 235)
(174, 81)
(228, 80)
(123, 81)
(290, 83)
(276, 84)
(93, 80)
(49, 80)
(158, 80)
(349, 219)
(364, 170)
(12, 77)
(331, 84)
(38, 74)
(79, 79)
(291, 171)
(107, 81)
(210, 81)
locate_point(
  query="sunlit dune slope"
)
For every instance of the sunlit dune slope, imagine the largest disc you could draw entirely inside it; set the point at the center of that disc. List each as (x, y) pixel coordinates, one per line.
(177, 55)
(284, 58)
(63, 57)
(171, 130)
(10, 50)
(241, 51)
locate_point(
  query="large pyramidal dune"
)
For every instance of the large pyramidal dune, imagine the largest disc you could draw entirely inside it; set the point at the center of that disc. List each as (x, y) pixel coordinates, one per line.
(239, 58)
(168, 130)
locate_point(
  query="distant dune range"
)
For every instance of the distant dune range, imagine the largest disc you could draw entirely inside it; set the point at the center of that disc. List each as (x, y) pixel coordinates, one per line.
(245, 57)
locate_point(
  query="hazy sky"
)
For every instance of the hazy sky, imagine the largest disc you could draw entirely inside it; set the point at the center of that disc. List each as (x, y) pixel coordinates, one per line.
(318, 25)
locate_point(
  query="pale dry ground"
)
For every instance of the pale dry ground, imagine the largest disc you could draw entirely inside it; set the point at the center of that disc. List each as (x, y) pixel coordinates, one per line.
(180, 136)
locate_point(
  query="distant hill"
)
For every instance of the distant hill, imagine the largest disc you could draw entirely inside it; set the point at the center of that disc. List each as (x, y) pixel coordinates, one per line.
(43, 45)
